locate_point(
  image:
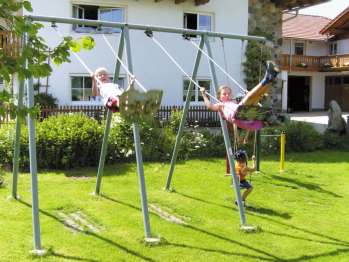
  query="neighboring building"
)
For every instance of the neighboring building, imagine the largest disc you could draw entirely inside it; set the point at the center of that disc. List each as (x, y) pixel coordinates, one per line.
(315, 62)
(71, 84)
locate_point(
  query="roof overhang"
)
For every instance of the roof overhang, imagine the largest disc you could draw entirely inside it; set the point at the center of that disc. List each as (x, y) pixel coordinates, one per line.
(304, 39)
(297, 4)
(338, 25)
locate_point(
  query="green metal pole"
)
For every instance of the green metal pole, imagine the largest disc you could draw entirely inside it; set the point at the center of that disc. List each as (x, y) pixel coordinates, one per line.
(227, 141)
(17, 142)
(184, 116)
(33, 168)
(258, 150)
(138, 150)
(108, 120)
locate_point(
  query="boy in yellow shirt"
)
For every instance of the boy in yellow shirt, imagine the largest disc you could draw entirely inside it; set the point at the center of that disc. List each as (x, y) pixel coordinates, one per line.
(242, 170)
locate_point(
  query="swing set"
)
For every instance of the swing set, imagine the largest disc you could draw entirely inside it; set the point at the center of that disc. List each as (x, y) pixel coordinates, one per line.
(137, 106)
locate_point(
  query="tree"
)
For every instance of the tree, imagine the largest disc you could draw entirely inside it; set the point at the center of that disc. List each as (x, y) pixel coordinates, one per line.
(34, 54)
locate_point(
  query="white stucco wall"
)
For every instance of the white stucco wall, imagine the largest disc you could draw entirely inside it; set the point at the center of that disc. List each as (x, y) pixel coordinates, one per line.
(312, 48)
(316, 48)
(317, 88)
(151, 66)
(343, 47)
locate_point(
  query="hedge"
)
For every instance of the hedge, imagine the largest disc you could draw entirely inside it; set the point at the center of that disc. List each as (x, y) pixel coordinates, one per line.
(68, 141)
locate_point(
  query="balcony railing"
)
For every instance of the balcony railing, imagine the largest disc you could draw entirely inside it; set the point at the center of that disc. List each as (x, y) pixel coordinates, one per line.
(315, 63)
(10, 43)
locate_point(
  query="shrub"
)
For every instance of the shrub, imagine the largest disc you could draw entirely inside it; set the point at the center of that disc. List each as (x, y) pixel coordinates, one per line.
(6, 142)
(45, 100)
(67, 141)
(302, 137)
(335, 141)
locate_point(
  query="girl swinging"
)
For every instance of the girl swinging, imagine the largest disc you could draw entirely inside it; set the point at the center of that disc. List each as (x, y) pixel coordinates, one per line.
(230, 109)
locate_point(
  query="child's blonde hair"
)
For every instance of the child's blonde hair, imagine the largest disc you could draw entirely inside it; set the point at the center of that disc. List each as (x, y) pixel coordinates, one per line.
(221, 88)
(99, 70)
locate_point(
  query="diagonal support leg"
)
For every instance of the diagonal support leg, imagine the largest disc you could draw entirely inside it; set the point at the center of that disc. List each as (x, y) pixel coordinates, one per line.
(109, 117)
(184, 116)
(138, 150)
(227, 142)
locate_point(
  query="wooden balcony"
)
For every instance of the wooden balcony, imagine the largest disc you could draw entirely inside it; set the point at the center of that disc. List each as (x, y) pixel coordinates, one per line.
(10, 43)
(315, 63)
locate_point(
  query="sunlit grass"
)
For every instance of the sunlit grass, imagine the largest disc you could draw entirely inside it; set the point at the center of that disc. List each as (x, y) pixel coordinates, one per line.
(302, 214)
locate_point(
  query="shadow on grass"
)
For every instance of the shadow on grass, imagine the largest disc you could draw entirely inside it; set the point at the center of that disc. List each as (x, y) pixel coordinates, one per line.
(303, 230)
(223, 252)
(52, 253)
(308, 186)
(306, 239)
(261, 210)
(270, 256)
(106, 240)
(320, 255)
(119, 169)
(268, 212)
(203, 200)
(120, 202)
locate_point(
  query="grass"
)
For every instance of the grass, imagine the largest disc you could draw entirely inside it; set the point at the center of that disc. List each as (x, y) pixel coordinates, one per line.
(302, 214)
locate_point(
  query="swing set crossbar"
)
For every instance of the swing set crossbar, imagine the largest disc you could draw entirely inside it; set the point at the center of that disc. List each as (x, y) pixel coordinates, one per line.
(183, 31)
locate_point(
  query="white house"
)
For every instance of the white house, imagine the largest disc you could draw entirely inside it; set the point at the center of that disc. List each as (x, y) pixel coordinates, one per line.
(71, 83)
(315, 62)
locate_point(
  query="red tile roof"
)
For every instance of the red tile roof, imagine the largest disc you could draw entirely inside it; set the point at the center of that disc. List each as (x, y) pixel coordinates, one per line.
(303, 26)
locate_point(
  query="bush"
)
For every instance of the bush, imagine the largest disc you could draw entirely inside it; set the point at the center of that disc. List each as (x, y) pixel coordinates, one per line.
(335, 141)
(45, 100)
(302, 137)
(6, 142)
(67, 141)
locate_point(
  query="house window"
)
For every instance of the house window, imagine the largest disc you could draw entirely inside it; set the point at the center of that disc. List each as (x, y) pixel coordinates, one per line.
(196, 21)
(333, 48)
(299, 48)
(91, 12)
(195, 95)
(81, 87)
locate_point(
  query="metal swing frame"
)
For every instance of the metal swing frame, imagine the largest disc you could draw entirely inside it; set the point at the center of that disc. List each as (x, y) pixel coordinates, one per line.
(124, 40)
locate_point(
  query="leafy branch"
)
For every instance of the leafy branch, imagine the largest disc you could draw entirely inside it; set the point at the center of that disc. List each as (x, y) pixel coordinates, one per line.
(34, 54)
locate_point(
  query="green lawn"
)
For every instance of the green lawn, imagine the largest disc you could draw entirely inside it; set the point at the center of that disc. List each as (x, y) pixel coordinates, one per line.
(302, 214)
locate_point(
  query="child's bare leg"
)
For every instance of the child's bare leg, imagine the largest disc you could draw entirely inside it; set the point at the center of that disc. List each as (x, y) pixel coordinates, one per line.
(246, 137)
(253, 96)
(246, 193)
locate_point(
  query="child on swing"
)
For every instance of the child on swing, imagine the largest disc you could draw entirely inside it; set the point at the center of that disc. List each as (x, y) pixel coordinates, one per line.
(228, 108)
(242, 170)
(109, 91)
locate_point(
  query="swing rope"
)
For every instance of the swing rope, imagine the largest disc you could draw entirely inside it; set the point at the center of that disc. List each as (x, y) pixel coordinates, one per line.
(151, 36)
(225, 59)
(122, 63)
(89, 70)
(218, 66)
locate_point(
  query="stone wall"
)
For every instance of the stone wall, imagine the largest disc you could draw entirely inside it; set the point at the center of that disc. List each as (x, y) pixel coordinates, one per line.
(266, 17)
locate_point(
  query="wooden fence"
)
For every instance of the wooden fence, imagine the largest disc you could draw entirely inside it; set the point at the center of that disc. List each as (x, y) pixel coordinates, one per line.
(10, 43)
(197, 115)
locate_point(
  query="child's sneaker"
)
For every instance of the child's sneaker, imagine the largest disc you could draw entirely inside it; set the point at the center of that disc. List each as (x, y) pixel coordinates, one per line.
(113, 104)
(270, 73)
(243, 203)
